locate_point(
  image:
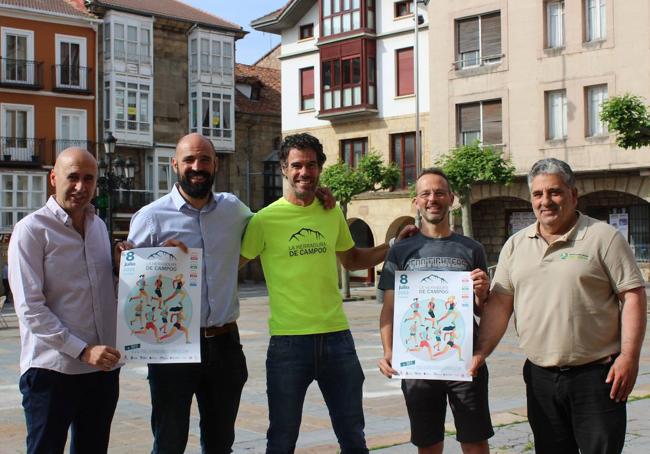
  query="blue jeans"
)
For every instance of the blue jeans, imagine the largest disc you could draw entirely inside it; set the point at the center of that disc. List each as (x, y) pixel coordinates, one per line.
(54, 402)
(292, 363)
(217, 381)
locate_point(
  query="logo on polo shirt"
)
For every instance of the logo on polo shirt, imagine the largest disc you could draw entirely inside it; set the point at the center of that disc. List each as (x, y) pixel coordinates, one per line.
(307, 241)
(569, 256)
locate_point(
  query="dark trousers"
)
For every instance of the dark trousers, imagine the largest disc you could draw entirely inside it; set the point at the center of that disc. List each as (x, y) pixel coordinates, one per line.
(570, 410)
(217, 381)
(54, 402)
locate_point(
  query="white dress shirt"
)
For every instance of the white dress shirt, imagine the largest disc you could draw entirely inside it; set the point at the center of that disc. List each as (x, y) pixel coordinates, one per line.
(63, 288)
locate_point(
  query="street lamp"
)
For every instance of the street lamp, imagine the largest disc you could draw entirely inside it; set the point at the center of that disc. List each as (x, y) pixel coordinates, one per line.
(113, 176)
(418, 140)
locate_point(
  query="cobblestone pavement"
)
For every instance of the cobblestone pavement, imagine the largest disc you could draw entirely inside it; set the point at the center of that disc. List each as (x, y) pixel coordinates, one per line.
(386, 421)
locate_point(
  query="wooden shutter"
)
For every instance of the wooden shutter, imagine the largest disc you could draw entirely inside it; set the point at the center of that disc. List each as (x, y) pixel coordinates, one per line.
(307, 83)
(470, 117)
(468, 35)
(492, 124)
(491, 35)
(405, 72)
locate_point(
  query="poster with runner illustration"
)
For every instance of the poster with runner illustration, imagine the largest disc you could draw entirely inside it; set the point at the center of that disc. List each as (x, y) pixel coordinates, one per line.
(433, 325)
(159, 305)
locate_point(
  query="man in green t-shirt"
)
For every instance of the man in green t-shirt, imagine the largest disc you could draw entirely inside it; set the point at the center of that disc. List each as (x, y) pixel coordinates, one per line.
(299, 241)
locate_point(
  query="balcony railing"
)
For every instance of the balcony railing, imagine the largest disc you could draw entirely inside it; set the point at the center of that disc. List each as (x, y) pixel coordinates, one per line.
(21, 74)
(21, 150)
(72, 78)
(59, 145)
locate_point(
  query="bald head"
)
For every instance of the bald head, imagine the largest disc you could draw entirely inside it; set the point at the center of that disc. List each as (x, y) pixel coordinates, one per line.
(74, 179)
(194, 140)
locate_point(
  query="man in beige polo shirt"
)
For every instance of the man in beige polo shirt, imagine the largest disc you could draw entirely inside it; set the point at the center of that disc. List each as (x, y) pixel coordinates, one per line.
(580, 309)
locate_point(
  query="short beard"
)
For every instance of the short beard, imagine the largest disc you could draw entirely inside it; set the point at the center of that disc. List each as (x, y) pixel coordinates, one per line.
(196, 190)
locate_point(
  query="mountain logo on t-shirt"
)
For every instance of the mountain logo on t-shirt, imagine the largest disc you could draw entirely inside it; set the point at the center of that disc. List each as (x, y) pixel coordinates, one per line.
(307, 241)
(306, 233)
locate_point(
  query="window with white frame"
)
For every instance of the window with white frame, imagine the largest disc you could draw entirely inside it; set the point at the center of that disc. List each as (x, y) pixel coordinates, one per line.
(131, 106)
(212, 114)
(211, 55)
(160, 177)
(478, 40)
(556, 115)
(127, 40)
(596, 95)
(17, 140)
(596, 24)
(17, 56)
(71, 69)
(70, 129)
(555, 25)
(480, 121)
(20, 194)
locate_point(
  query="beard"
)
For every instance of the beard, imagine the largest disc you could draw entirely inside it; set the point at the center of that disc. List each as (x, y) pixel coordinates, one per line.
(196, 190)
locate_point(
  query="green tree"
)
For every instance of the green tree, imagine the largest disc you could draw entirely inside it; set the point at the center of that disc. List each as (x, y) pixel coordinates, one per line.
(628, 116)
(471, 164)
(345, 182)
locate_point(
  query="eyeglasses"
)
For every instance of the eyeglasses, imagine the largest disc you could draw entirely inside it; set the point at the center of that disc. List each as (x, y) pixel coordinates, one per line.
(436, 194)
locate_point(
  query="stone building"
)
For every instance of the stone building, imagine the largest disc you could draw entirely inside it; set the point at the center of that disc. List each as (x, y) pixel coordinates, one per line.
(530, 78)
(166, 69)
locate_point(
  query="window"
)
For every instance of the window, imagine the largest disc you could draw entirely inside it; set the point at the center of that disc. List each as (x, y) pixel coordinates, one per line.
(404, 8)
(71, 70)
(480, 121)
(596, 25)
(307, 88)
(272, 181)
(131, 40)
(404, 64)
(478, 40)
(132, 105)
(210, 57)
(352, 150)
(306, 31)
(340, 16)
(403, 155)
(160, 178)
(556, 114)
(70, 129)
(342, 83)
(17, 56)
(555, 25)
(211, 114)
(596, 95)
(21, 194)
(17, 132)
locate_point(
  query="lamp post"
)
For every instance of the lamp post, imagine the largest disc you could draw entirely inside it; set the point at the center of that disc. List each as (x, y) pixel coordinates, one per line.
(416, 57)
(113, 176)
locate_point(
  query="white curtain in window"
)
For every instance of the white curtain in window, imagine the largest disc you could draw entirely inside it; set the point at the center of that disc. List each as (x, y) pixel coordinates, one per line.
(557, 115)
(596, 96)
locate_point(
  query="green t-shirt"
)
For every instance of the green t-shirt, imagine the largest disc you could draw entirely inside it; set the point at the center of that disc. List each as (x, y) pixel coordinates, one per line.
(298, 248)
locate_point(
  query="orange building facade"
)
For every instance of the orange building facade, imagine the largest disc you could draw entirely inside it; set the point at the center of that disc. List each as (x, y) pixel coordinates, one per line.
(47, 99)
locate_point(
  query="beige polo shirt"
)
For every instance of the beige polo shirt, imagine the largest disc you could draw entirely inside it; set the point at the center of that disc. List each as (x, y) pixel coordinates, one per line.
(565, 294)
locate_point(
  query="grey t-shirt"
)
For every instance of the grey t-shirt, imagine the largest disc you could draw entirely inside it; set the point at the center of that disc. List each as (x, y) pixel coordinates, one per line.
(422, 253)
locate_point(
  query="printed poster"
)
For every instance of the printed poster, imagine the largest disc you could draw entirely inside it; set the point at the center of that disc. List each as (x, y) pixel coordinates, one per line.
(159, 305)
(620, 222)
(433, 325)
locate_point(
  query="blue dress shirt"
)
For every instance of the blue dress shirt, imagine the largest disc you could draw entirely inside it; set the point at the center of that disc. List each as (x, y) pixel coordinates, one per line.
(217, 228)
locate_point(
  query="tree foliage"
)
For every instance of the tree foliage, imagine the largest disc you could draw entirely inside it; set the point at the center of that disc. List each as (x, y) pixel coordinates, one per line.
(471, 164)
(629, 117)
(370, 175)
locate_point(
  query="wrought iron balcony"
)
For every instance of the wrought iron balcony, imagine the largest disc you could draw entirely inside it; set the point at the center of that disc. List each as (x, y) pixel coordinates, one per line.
(21, 150)
(26, 74)
(59, 145)
(72, 79)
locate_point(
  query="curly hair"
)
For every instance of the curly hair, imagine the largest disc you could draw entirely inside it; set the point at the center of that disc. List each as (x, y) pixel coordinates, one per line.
(302, 142)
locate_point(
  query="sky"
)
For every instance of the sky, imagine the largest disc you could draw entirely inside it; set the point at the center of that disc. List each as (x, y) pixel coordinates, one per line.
(255, 44)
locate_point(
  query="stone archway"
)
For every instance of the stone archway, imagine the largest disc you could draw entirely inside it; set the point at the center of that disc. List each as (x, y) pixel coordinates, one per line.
(397, 225)
(363, 237)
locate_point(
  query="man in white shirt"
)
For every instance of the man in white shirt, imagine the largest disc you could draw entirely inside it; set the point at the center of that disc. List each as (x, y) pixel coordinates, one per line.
(60, 271)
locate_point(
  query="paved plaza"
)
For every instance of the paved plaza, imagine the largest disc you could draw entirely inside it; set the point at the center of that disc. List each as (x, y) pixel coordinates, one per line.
(387, 427)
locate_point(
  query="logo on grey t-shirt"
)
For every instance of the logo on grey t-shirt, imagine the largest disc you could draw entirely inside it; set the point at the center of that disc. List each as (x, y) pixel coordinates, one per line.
(440, 263)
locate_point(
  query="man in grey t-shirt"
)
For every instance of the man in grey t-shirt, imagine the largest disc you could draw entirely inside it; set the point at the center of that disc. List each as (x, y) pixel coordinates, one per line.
(438, 248)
